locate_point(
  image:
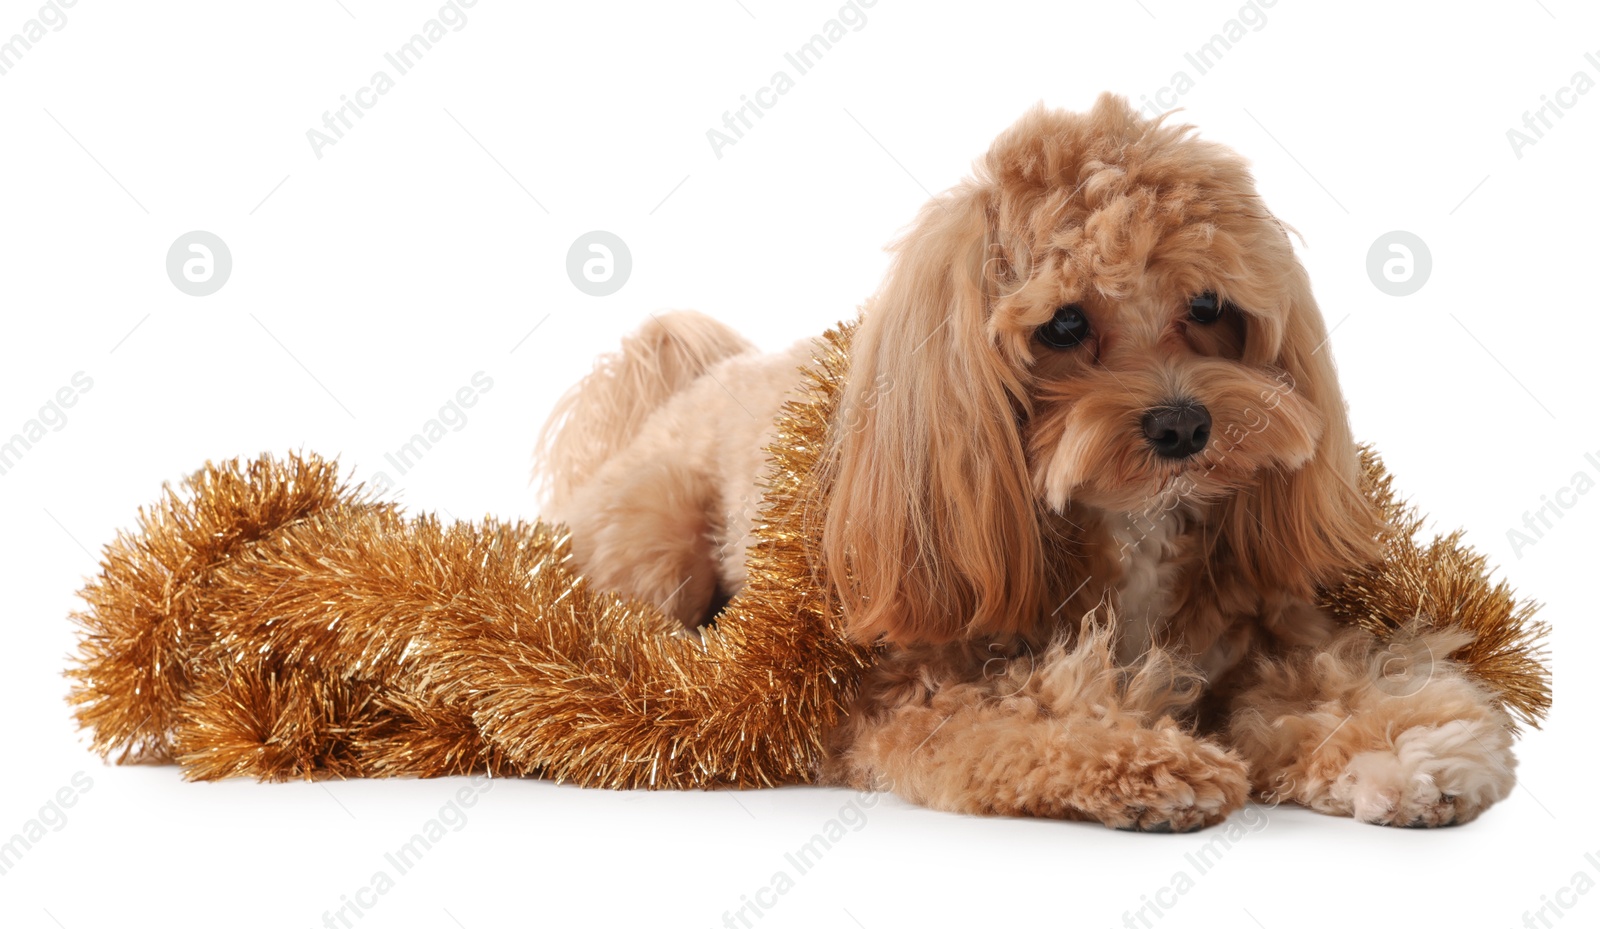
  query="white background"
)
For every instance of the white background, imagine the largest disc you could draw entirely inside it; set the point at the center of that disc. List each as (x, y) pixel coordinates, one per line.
(370, 284)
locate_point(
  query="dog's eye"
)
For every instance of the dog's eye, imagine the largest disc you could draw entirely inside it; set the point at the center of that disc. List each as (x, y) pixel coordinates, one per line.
(1206, 308)
(1067, 328)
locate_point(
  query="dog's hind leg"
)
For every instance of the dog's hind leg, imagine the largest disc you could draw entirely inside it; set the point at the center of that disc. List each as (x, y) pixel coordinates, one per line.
(602, 413)
(647, 527)
(634, 463)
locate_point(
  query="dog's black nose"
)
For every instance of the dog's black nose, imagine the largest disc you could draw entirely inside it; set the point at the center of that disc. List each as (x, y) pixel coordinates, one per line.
(1177, 431)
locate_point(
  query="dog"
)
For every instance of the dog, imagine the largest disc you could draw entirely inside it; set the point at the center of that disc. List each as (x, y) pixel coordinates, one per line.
(1089, 468)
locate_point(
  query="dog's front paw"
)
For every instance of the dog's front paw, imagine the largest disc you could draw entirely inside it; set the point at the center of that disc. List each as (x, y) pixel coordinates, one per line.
(1429, 776)
(1164, 780)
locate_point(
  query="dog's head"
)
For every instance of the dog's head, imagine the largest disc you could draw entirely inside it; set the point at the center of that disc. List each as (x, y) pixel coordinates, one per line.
(1106, 318)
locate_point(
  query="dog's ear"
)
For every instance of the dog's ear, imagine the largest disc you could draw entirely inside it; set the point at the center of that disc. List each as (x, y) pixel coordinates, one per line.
(1297, 528)
(930, 532)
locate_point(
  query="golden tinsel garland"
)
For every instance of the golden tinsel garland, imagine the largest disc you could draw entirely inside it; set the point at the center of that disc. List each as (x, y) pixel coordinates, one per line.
(1445, 584)
(272, 621)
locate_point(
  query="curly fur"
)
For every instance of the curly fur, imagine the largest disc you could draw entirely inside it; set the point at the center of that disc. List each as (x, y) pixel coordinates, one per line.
(987, 492)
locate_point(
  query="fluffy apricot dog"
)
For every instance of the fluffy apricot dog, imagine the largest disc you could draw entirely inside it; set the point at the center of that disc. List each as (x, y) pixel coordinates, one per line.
(1091, 465)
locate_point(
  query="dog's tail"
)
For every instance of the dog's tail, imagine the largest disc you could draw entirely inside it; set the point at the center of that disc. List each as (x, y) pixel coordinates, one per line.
(603, 412)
